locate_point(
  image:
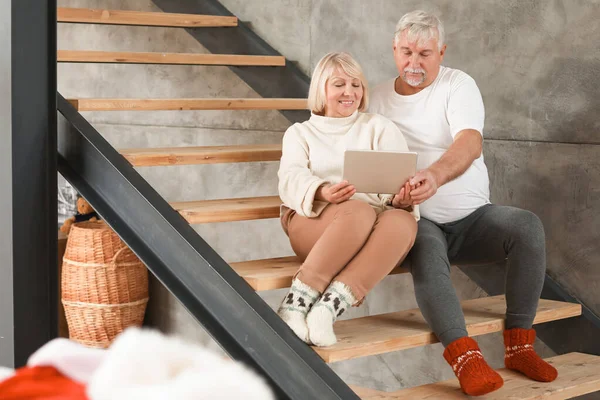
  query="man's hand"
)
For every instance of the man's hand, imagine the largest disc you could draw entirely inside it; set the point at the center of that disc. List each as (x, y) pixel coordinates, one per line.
(337, 193)
(428, 186)
(465, 149)
(403, 198)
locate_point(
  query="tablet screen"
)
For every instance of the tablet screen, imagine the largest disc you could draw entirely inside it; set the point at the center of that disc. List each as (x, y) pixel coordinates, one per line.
(380, 172)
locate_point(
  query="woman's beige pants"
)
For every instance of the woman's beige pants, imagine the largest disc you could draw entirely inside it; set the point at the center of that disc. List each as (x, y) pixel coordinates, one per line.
(349, 243)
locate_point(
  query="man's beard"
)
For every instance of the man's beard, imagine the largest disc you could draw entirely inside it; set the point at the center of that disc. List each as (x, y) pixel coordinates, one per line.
(414, 82)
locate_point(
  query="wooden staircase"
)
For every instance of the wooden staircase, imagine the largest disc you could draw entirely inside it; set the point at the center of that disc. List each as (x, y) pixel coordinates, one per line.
(375, 334)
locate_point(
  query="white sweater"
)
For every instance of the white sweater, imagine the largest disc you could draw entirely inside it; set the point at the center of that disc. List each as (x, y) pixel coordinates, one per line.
(313, 154)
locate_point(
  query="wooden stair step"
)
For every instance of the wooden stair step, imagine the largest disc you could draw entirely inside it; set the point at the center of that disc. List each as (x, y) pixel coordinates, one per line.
(202, 155)
(578, 374)
(365, 393)
(241, 209)
(187, 104)
(122, 17)
(275, 273)
(80, 56)
(401, 330)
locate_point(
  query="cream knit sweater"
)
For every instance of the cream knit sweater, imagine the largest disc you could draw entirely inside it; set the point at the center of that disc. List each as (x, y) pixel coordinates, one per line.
(313, 154)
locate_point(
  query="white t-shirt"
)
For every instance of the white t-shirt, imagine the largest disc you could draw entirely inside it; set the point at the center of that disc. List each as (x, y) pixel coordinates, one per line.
(429, 121)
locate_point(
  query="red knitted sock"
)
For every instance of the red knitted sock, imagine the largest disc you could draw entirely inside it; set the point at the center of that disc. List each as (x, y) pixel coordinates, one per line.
(474, 374)
(521, 356)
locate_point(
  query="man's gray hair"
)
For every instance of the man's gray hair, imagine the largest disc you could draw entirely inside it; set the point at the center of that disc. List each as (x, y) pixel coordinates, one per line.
(420, 26)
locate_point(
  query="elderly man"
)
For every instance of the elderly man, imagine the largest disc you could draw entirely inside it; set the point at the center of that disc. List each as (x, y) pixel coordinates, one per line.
(440, 112)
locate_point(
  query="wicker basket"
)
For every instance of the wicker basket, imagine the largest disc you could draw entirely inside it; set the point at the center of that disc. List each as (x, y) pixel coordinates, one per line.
(104, 285)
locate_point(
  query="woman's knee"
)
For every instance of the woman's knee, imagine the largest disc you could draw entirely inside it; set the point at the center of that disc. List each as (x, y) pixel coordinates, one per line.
(400, 225)
(357, 213)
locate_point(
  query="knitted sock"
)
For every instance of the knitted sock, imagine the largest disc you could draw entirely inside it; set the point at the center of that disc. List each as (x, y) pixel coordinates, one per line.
(520, 355)
(295, 306)
(474, 374)
(336, 299)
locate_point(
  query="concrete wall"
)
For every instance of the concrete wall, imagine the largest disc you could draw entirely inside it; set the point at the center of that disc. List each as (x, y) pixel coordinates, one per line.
(534, 61)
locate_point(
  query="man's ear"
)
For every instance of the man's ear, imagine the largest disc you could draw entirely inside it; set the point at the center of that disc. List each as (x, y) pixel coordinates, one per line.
(443, 52)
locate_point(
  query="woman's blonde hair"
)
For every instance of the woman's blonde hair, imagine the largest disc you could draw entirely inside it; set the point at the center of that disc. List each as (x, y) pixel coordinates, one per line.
(325, 68)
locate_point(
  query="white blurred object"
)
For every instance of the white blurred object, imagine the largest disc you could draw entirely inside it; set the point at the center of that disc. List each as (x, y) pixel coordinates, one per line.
(145, 364)
(6, 373)
(69, 358)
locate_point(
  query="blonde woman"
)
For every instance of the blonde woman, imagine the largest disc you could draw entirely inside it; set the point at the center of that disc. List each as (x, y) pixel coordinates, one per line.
(349, 241)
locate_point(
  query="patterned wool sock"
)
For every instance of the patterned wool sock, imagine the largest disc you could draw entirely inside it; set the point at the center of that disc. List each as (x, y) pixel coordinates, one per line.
(474, 374)
(336, 299)
(295, 306)
(520, 355)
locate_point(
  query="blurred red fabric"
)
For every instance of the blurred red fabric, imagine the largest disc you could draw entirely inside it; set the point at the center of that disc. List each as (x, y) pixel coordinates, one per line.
(41, 383)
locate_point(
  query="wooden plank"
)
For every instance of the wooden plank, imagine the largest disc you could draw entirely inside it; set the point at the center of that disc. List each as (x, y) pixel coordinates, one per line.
(122, 17)
(385, 333)
(80, 56)
(242, 209)
(275, 273)
(268, 274)
(202, 155)
(187, 104)
(365, 392)
(578, 374)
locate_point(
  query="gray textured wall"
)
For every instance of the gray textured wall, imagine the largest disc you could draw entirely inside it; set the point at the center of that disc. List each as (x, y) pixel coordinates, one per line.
(6, 208)
(535, 62)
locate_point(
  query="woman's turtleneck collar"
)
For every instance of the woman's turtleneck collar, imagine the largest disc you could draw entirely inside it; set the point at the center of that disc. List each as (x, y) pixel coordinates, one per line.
(332, 124)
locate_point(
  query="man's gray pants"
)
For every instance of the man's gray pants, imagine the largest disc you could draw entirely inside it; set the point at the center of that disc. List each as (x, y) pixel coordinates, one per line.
(490, 234)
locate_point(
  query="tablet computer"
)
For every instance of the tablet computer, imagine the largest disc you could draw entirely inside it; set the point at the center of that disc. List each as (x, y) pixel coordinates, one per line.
(381, 172)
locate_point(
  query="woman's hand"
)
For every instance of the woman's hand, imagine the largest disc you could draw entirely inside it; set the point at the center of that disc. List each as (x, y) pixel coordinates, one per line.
(403, 198)
(335, 194)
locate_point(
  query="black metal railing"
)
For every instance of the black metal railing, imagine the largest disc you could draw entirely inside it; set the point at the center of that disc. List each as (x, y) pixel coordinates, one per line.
(28, 202)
